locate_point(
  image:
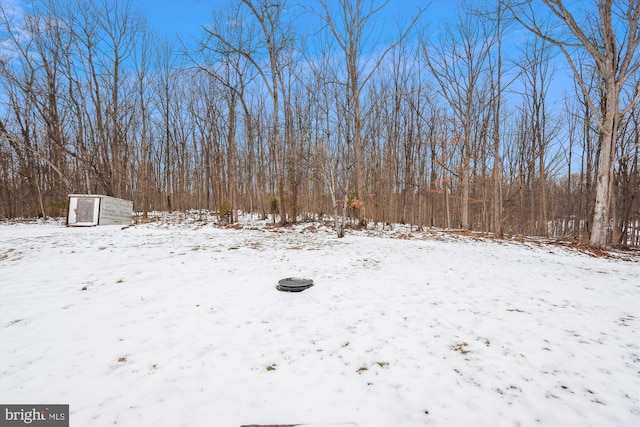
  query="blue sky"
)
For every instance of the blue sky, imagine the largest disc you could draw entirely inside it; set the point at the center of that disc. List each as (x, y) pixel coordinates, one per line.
(177, 17)
(185, 17)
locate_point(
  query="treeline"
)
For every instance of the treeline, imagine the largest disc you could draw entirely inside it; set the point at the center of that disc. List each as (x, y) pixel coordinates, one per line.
(448, 127)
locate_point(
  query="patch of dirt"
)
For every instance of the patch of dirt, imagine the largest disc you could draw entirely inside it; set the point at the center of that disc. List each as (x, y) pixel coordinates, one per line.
(628, 255)
(461, 348)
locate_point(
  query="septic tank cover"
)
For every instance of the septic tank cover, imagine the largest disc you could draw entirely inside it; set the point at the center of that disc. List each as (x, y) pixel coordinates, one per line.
(294, 284)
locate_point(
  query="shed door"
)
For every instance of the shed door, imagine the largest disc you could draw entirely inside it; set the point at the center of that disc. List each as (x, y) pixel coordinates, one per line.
(85, 209)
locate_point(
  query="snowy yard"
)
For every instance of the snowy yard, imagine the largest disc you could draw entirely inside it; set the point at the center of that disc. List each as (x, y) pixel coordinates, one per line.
(180, 324)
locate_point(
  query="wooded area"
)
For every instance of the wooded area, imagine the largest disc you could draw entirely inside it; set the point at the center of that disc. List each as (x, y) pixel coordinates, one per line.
(448, 126)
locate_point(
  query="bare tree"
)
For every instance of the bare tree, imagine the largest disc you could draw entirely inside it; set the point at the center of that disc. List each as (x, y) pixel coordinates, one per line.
(142, 63)
(351, 27)
(330, 162)
(539, 128)
(626, 203)
(275, 41)
(458, 64)
(498, 29)
(609, 39)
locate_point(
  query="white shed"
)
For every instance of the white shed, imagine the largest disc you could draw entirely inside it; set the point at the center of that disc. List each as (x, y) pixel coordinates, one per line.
(96, 209)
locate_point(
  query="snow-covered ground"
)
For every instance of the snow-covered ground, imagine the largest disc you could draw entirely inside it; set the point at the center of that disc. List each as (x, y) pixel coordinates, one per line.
(180, 324)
